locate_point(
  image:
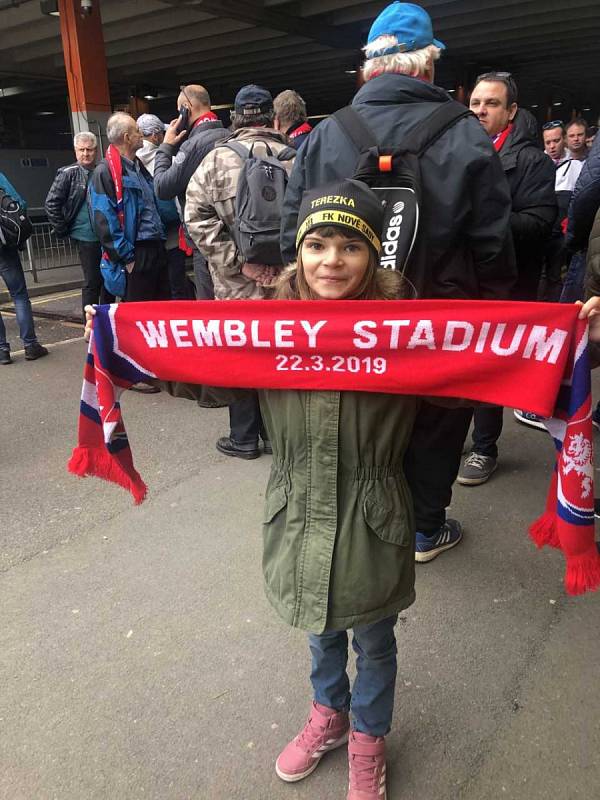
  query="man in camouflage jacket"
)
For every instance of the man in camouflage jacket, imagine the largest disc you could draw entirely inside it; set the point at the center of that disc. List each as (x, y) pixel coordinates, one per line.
(209, 219)
(210, 197)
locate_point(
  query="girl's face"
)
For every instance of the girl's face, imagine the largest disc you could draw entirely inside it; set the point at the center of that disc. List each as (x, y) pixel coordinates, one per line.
(334, 266)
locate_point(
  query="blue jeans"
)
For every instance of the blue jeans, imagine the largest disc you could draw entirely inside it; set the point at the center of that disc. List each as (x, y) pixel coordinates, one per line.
(371, 703)
(11, 272)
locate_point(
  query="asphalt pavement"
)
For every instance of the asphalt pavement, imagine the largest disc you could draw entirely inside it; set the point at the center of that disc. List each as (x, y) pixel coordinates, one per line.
(140, 659)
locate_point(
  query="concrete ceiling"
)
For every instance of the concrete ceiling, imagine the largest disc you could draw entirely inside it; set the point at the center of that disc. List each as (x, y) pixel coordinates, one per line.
(310, 45)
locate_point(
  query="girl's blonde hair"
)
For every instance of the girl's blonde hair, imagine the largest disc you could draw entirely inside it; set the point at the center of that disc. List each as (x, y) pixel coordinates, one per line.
(377, 283)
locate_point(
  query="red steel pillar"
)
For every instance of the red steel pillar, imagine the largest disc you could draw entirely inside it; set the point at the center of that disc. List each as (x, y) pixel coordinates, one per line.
(85, 63)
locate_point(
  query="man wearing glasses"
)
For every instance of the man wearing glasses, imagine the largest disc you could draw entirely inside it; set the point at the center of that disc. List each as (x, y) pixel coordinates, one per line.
(555, 141)
(567, 167)
(530, 174)
(566, 176)
(176, 161)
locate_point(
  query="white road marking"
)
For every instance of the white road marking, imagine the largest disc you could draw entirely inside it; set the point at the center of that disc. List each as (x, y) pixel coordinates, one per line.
(51, 345)
(48, 298)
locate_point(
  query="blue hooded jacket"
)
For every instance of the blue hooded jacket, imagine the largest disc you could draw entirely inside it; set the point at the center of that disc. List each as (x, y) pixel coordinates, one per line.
(118, 244)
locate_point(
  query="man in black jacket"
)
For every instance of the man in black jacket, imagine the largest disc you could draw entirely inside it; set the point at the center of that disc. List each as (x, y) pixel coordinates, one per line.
(67, 212)
(531, 175)
(177, 160)
(465, 211)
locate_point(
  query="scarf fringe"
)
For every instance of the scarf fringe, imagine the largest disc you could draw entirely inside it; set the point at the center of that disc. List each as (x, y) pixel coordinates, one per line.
(92, 461)
(544, 530)
(583, 572)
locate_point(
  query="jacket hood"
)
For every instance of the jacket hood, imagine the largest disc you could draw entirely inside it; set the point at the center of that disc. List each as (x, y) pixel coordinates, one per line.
(147, 154)
(393, 88)
(259, 133)
(525, 130)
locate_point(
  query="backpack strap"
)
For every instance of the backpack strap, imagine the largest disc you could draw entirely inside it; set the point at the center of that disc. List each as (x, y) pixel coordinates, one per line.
(237, 148)
(422, 137)
(287, 154)
(355, 128)
(434, 126)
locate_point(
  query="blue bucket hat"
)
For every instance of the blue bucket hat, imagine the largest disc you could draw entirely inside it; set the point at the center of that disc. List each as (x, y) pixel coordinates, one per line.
(409, 23)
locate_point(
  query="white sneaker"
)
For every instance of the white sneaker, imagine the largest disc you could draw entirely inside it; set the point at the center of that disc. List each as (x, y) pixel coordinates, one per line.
(529, 418)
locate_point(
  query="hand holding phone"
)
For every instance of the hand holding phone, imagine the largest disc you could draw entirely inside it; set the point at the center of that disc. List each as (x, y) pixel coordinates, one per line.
(184, 118)
(173, 134)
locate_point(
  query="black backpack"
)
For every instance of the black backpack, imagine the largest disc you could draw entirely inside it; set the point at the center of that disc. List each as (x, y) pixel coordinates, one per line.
(394, 174)
(259, 201)
(15, 226)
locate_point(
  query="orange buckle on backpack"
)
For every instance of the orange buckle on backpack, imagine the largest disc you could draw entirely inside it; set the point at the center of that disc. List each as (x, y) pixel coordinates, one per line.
(385, 163)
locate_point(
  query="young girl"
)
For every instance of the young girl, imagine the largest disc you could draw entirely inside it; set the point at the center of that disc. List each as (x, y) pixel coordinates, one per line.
(338, 525)
(338, 528)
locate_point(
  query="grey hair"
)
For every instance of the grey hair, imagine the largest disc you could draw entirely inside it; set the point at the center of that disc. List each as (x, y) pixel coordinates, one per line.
(289, 106)
(88, 136)
(414, 63)
(117, 126)
(252, 120)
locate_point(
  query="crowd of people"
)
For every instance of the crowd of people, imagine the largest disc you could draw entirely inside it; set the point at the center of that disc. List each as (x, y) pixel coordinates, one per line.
(505, 214)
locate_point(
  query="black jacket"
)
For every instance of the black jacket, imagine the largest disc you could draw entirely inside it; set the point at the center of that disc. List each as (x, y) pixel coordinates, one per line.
(466, 202)
(531, 177)
(173, 167)
(585, 201)
(66, 196)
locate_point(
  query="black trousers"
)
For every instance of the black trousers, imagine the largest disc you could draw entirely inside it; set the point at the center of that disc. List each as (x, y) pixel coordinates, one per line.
(204, 283)
(432, 461)
(245, 421)
(149, 279)
(177, 277)
(93, 290)
(555, 260)
(487, 427)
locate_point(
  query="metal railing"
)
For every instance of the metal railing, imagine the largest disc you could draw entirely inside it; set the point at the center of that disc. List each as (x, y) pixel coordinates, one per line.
(45, 250)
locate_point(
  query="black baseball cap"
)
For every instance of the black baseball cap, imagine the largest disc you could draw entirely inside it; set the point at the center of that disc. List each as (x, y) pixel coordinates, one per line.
(252, 100)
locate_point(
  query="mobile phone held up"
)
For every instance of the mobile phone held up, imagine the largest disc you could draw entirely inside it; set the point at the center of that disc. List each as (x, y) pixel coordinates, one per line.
(184, 113)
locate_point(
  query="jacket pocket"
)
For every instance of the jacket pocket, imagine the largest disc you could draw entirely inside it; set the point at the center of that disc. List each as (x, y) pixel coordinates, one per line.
(113, 276)
(386, 509)
(275, 501)
(132, 184)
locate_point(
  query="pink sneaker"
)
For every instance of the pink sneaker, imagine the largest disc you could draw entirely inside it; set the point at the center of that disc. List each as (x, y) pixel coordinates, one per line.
(366, 760)
(325, 730)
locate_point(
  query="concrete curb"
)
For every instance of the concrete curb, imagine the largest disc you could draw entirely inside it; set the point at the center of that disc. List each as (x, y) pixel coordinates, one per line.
(38, 290)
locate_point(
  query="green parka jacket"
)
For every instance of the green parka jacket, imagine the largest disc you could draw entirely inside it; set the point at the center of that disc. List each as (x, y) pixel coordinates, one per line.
(338, 528)
(339, 533)
(338, 523)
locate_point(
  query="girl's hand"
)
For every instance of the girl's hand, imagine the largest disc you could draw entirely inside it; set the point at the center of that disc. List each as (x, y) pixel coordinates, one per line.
(90, 313)
(591, 311)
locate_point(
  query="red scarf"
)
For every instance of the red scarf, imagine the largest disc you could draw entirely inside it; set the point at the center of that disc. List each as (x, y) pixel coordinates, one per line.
(499, 140)
(304, 128)
(520, 355)
(115, 165)
(182, 242)
(208, 117)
